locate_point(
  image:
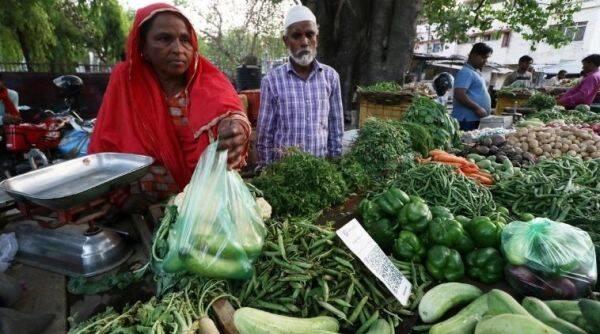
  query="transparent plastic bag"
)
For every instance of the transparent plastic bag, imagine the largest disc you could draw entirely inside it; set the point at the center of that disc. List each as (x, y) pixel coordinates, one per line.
(548, 259)
(219, 231)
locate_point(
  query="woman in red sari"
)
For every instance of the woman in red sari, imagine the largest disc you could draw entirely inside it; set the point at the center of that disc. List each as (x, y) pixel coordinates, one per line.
(165, 98)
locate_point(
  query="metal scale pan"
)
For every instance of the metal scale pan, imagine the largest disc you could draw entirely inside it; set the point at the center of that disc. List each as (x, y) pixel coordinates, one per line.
(71, 249)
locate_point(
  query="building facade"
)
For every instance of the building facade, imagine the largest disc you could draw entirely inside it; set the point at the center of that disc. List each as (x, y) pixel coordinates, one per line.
(509, 46)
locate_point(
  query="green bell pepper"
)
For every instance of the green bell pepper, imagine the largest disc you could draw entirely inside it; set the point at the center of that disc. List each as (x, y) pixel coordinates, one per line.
(408, 247)
(485, 265)
(368, 211)
(445, 264)
(450, 233)
(383, 231)
(391, 201)
(441, 212)
(414, 216)
(485, 232)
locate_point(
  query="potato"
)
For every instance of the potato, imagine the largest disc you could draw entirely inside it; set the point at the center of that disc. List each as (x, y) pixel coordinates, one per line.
(595, 155)
(533, 143)
(524, 146)
(546, 147)
(572, 153)
(574, 147)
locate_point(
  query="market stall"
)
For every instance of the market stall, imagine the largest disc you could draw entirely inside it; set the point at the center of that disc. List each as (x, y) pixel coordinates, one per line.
(489, 229)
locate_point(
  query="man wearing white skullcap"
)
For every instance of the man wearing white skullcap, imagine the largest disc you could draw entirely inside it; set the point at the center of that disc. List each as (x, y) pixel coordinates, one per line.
(300, 102)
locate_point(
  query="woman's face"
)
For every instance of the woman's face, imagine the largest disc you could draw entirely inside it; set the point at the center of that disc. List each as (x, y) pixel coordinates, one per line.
(167, 45)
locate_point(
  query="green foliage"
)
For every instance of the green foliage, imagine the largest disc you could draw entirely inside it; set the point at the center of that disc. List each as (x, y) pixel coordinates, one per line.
(61, 32)
(301, 184)
(541, 101)
(386, 86)
(536, 21)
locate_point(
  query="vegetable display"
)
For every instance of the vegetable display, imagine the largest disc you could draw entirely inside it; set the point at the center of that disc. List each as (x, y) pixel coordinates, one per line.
(541, 101)
(382, 148)
(495, 149)
(441, 126)
(306, 272)
(301, 184)
(548, 142)
(549, 259)
(440, 184)
(565, 189)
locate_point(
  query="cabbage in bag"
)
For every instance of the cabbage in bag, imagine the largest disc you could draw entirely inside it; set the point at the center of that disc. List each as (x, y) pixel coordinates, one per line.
(549, 259)
(219, 231)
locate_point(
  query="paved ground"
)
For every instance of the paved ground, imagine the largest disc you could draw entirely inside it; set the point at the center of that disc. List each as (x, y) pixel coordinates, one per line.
(43, 292)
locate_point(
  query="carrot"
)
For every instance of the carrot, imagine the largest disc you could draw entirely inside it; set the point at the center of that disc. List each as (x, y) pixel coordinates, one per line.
(482, 173)
(433, 153)
(482, 179)
(455, 164)
(469, 170)
(450, 158)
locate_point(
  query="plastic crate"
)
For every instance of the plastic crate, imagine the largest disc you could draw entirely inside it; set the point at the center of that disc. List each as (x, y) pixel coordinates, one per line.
(509, 102)
(369, 107)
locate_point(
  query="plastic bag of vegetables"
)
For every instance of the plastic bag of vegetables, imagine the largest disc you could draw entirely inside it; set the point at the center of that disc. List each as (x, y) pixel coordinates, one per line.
(548, 259)
(219, 230)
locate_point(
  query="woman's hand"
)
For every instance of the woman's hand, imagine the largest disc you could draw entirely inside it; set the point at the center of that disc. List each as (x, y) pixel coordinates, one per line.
(232, 137)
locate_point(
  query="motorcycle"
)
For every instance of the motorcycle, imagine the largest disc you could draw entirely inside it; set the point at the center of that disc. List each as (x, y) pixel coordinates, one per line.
(46, 136)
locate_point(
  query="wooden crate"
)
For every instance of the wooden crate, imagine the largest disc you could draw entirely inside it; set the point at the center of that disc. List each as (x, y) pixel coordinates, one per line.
(384, 106)
(510, 101)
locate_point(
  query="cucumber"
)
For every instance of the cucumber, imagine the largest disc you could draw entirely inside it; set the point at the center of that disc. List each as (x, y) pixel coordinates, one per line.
(559, 307)
(513, 324)
(542, 312)
(252, 321)
(209, 266)
(500, 302)
(475, 157)
(380, 327)
(591, 313)
(443, 297)
(465, 320)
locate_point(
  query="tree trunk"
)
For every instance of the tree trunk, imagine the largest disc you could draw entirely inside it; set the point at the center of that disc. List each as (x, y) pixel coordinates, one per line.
(25, 50)
(366, 41)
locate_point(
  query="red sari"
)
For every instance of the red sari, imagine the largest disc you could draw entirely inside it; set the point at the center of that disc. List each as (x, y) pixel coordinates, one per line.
(134, 116)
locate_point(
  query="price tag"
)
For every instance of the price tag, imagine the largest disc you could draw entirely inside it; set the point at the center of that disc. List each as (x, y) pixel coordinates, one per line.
(366, 249)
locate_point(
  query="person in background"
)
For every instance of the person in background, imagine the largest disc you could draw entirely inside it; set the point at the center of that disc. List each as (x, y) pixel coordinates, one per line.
(442, 83)
(523, 73)
(9, 102)
(300, 101)
(471, 98)
(555, 80)
(588, 87)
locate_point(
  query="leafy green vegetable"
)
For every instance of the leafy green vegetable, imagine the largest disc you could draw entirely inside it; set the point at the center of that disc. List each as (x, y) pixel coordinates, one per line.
(435, 118)
(386, 86)
(301, 184)
(541, 101)
(382, 148)
(87, 286)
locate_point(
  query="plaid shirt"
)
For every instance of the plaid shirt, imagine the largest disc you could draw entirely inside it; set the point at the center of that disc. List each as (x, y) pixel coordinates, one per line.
(294, 112)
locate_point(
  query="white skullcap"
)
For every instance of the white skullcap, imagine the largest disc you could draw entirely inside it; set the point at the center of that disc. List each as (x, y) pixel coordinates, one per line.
(298, 13)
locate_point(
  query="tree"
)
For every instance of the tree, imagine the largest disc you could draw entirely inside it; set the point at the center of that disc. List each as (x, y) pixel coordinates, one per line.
(61, 32)
(371, 41)
(228, 42)
(536, 21)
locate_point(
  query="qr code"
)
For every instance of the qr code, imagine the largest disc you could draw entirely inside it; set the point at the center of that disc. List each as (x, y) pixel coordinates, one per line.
(381, 266)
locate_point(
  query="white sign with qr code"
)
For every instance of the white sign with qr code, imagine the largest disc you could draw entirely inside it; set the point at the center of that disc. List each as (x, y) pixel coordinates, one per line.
(362, 245)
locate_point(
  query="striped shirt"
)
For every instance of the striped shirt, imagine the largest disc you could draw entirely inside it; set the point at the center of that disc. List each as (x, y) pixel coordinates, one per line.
(294, 112)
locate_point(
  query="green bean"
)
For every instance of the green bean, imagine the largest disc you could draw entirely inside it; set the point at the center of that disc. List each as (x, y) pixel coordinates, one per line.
(292, 308)
(271, 306)
(358, 309)
(365, 326)
(280, 244)
(296, 278)
(332, 309)
(341, 302)
(343, 262)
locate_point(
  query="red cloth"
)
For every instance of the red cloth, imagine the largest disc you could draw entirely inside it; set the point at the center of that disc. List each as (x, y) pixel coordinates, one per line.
(9, 106)
(134, 116)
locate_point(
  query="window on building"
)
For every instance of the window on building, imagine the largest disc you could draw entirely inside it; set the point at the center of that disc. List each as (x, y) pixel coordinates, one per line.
(437, 47)
(486, 37)
(577, 32)
(505, 39)
(473, 39)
